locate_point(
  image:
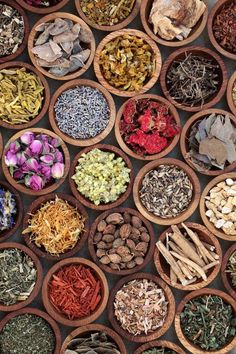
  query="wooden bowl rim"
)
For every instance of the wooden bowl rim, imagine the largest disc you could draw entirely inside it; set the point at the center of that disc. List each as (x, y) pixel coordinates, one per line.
(231, 83)
(224, 277)
(157, 344)
(72, 84)
(60, 317)
(44, 10)
(1, 145)
(192, 205)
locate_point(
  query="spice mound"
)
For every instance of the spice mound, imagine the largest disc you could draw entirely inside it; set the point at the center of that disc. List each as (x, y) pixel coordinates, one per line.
(159, 351)
(56, 226)
(127, 62)
(208, 322)
(231, 269)
(101, 176)
(147, 126)
(193, 80)
(8, 210)
(62, 46)
(175, 18)
(27, 334)
(21, 95)
(35, 160)
(140, 307)
(82, 112)
(75, 291)
(166, 191)
(42, 3)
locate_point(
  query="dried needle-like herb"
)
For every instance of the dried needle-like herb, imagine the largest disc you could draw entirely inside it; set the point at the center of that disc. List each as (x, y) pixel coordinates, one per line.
(231, 268)
(159, 351)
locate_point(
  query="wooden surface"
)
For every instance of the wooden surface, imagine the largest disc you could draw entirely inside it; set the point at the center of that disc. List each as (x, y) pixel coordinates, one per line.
(110, 102)
(42, 10)
(50, 18)
(184, 341)
(159, 344)
(35, 205)
(172, 141)
(227, 281)
(184, 137)
(196, 50)
(60, 317)
(150, 83)
(182, 216)
(229, 91)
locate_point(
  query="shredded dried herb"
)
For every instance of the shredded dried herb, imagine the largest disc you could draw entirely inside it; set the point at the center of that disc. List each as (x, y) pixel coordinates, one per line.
(231, 268)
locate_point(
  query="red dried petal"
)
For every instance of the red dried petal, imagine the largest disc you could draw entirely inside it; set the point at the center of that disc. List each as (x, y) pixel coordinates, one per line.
(138, 138)
(155, 143)
(142, 104)
(129, 111)
(146, 122)
(171, 128)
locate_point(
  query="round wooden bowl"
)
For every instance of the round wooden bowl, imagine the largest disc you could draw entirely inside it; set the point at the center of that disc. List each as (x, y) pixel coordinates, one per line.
(217, 232)
(42, 10)
(34, 206)
(142, 338)
(84, 200)
(92, 247)
(1, 144)
(95, 327)
(213, 13)
(20, 304)
(60, 317)
(231, 83)
(184, 341)
(89, 141)
(159, 344)
(46, 93)
(50, 18)
(30, 310)
(50, 187)
(108, 28)
(150, 83)
(145, 10)
(225, 276)
(21, 48)
(182, 216)
(184, 146)
(163, 267)
(207, 53)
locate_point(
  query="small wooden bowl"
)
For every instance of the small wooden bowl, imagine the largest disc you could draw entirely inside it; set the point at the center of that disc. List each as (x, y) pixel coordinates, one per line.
(206, 53)
(182, 216)
(142, 338)
(184, 146)
(163, 268)
(95, 327)
(50, 187)
(84, 200)
(150, 83)
(34, 206)
(46, 94)
(21, 48)
(202, 207)
(108, 28)
(50, 18)
(89, 141)
(61, 318)
(225, 276)
(20, 304)
(213, 13)
(42, 10)
(145, 10)
(42, 314)
(92, 249)
(159, 344)
(231, 83)
(184, 341)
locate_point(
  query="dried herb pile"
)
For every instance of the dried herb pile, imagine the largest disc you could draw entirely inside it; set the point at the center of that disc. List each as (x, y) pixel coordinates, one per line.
(159, 351)
(231, 268)
(42, 3)
(8, 210)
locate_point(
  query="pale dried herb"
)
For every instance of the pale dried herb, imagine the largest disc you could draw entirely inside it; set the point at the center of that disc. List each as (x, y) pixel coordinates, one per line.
(234, 93)
(231, 268)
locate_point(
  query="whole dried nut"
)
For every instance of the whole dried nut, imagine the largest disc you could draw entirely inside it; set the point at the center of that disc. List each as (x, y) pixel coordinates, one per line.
(97, 237)
(114, 266)
(102, 245)
(101, 226)
(109, 229)
(115, 218)
(100, 253)
(131, 264)
(141, 247)
(130, 244)
(143, 229)
(123, 251)
(125, 231)
(139, 260)
(118, 242)
(127, 258)
(117, 233)
(136, 221)
(108, 238)
(145, 237)
(105, 260)
(127, 217)
(112, 251)
(114, 258)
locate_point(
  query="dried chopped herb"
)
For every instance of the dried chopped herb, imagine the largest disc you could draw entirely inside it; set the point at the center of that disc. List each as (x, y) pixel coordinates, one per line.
(159, 351)
(42, 3)
(231, 268)
(8, 210)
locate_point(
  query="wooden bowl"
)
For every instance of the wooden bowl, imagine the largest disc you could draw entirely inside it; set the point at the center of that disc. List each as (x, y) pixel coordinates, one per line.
(1, 144)
(184, 341)
(213, 13)
(231, 83)
(21, 48)
(50, 18)
(50, 187)
(20, 304)
(34, 206)
(145, 10)
(159, 344)
(202, 207)
(206, 53)
(150, 83)
(225, 276)
(182, 216)
(184, 146)
(142, 338)
(42, 10)
(84, 200)
(61, 318)
(163, 268)
(45, 104)
(108, 28)
(92, 249)
(44, 315)
(89, 141)
(95, 327)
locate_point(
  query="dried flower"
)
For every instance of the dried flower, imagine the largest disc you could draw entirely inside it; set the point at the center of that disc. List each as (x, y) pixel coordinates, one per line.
(7, 209)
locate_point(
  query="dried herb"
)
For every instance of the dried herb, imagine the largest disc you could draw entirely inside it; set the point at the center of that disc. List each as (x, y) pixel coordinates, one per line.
(42, 3)
(208, 322)
(159, 351)
(234, 93)
(231, 268)
(8, 210)
(193, 80)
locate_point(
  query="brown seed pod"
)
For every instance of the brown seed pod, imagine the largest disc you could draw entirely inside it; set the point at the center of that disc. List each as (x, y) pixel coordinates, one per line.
(112, 251)
(136, 221)
(105, 260)
(118, 242)
(142, 247)
(138, 260)
(135, 231)
(125, 231)
(109, 229)
(130, 244)
(115, 218)
(102, 245)
(108, 238)
(117, 233)
(100, 253)
(114, 266)
(101, 226)
(131, 264)
(127, 217)
(127, 258)
(145, 237)
(115, 258)
(97, 237)
(123, 251)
